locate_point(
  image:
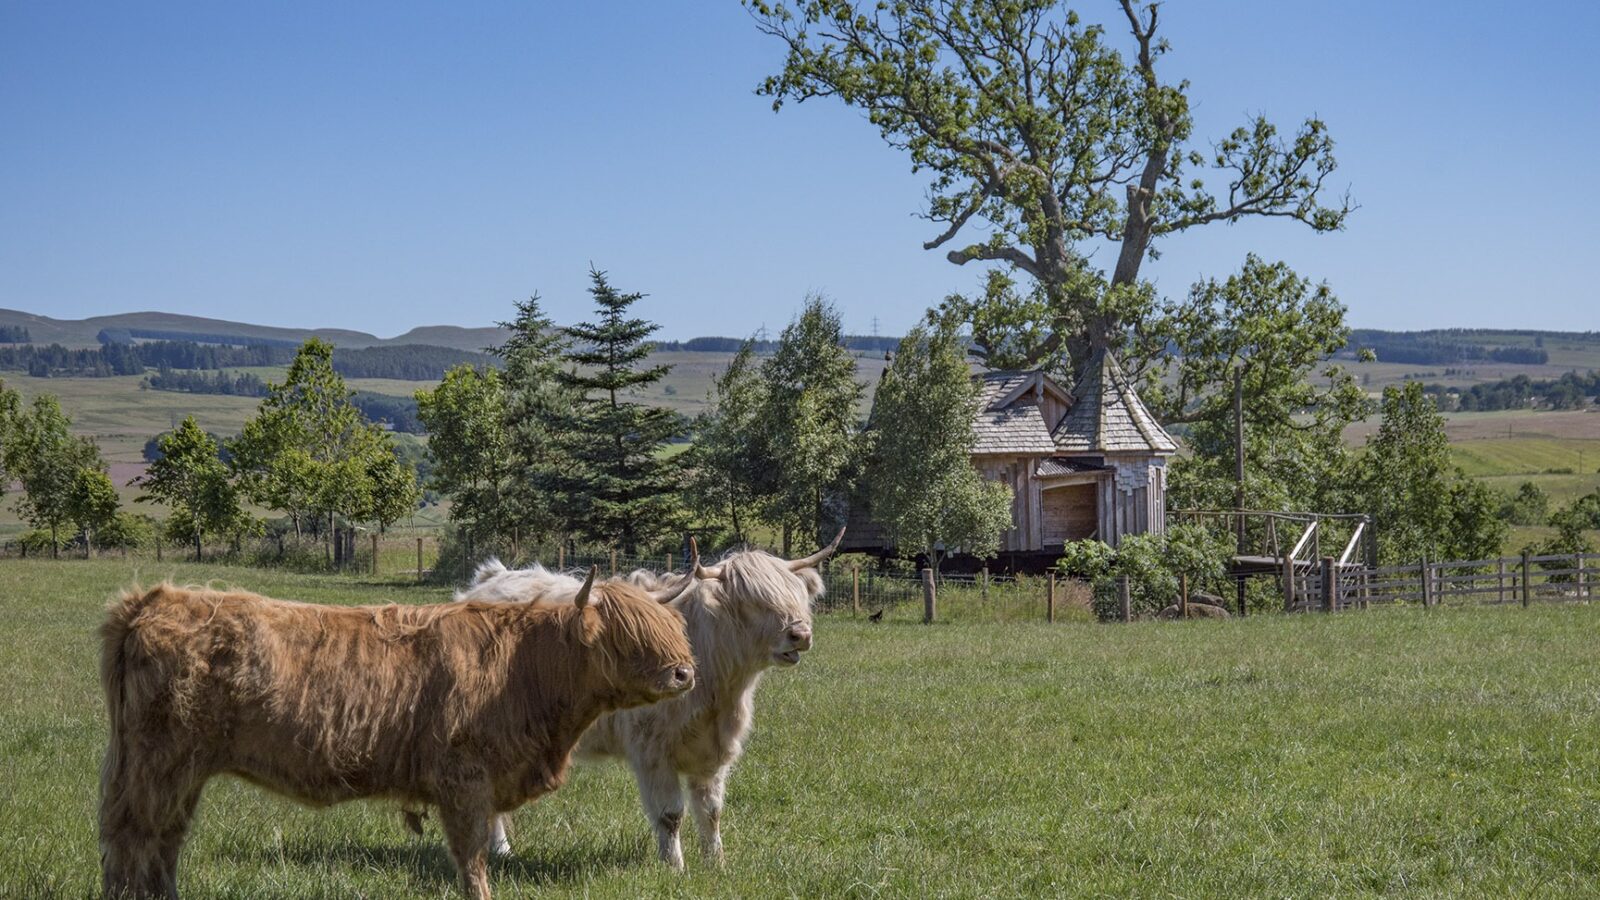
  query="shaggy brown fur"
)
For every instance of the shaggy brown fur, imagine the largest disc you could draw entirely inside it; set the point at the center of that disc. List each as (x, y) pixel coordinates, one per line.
(470, 707)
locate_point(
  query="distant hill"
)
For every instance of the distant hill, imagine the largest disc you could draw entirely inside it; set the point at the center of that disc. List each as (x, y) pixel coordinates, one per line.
(78, 333)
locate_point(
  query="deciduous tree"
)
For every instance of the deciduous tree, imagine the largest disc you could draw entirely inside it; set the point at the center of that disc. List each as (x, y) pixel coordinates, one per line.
(728, 462)
(92, 505)
(922, 485)
(1422, 504)
(44, 455)
(1044, 142)
(192, 481)
(471, 450)
(808, 421)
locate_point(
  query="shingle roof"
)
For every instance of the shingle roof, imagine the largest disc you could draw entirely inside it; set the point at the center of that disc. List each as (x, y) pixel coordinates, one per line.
(1107, 416)
(1019, 428)
(1058, 466)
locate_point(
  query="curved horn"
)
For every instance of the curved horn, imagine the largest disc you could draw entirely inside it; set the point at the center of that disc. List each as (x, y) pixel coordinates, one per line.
(582, 599)
(701, 572)
(815, 559)
(669, 594)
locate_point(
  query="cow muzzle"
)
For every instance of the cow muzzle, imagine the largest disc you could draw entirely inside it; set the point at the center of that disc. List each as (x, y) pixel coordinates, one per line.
(675, 680)
(796, 640)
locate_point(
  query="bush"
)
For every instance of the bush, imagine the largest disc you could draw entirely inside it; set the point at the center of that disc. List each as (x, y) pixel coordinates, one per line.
(1154, 565)
(128, 531)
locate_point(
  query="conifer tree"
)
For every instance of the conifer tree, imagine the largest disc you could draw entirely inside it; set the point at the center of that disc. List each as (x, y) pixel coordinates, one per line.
(613, 487)
(535, 401)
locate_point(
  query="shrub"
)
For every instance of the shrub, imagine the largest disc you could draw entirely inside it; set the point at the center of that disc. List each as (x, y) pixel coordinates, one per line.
(1153, 564)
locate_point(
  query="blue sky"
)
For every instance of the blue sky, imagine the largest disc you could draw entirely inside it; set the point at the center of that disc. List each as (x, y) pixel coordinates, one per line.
(381, 166)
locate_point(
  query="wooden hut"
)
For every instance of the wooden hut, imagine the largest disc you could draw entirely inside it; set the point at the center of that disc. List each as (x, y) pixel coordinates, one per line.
(1089, 462)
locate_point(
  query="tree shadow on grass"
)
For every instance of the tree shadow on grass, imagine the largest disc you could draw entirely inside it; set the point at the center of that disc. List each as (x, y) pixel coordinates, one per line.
(431, 869)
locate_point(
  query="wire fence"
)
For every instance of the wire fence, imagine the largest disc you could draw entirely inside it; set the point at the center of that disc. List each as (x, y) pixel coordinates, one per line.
(981, 597)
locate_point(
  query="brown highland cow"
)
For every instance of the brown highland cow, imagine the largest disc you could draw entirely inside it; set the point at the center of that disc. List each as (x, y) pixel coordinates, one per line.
(473, 708)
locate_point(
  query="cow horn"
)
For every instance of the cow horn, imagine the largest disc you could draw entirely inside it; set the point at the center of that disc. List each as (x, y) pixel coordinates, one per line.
(701, 572)
(582, 599)
(815, 559)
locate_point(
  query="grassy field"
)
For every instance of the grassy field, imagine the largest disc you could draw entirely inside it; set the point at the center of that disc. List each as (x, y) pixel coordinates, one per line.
(1432, 754)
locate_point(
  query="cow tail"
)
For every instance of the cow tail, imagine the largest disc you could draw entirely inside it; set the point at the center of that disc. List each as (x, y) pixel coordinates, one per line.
(116, 634)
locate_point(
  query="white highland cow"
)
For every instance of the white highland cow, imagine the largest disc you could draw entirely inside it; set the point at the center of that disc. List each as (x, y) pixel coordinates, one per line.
(747, 613)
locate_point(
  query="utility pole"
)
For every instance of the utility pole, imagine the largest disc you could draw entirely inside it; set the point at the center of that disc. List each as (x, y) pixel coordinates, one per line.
(1238, 455)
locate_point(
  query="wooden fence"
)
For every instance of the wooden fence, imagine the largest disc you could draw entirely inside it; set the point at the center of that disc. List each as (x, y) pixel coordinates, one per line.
(1512, 579)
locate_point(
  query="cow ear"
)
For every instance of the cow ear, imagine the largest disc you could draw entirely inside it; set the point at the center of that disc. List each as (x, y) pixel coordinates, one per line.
(582, 599)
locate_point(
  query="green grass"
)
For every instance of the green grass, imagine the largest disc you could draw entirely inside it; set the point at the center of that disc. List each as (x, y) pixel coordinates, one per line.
(1434, 754)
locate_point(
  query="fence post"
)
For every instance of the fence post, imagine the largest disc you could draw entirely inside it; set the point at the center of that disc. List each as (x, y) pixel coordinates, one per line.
(855, 590)
(1124, 598)
(419, 559)
(561, 555)
(669, 562)
(1427, 583)
(1500, 576)
(613, 563)
(928, 599)
(983, 589)
(1288, 583)
(1239, 589)
(158, 549)
(1578, 559)
(1183, 595)
(1330, 586)
(374, 554)
(1527, 591)
(1050, 599)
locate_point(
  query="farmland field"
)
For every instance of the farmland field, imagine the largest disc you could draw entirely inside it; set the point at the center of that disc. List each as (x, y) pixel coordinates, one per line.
(1447, 753)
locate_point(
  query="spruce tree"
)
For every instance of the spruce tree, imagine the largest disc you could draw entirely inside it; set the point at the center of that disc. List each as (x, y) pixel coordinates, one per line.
(612, 486)
(536, 401)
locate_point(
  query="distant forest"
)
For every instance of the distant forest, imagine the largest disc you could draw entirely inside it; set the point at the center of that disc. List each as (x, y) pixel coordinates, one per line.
(1442, 348)
(1570, 391)
(14, 334)
(400, 412)
(410, 362)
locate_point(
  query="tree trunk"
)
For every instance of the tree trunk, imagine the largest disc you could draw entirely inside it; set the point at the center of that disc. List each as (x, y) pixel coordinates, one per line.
(199, 551)
(88, 543)
(788, 537)
(55, 552)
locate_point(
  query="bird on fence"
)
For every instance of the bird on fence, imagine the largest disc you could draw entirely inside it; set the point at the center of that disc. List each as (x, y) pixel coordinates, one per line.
(876, 617)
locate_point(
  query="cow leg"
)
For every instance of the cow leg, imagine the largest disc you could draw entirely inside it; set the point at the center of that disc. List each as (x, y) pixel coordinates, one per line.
(498, 843)
(663, 806)
(705, 798)
(466, 830)
(145, 809)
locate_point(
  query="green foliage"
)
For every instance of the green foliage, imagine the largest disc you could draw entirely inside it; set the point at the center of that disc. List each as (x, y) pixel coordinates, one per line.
(611, 486)
(726, 468)
(92, 505)
(43, 454)
(1276, 330)
(1042, 141)
(471, 450)
(1529, 506)
(1422, 504)
(1153, 564)
(922, 485)
(309, 452)
(193, 482)
(1571, 523)
(537, 401)
(127, 531)
(807, 425)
